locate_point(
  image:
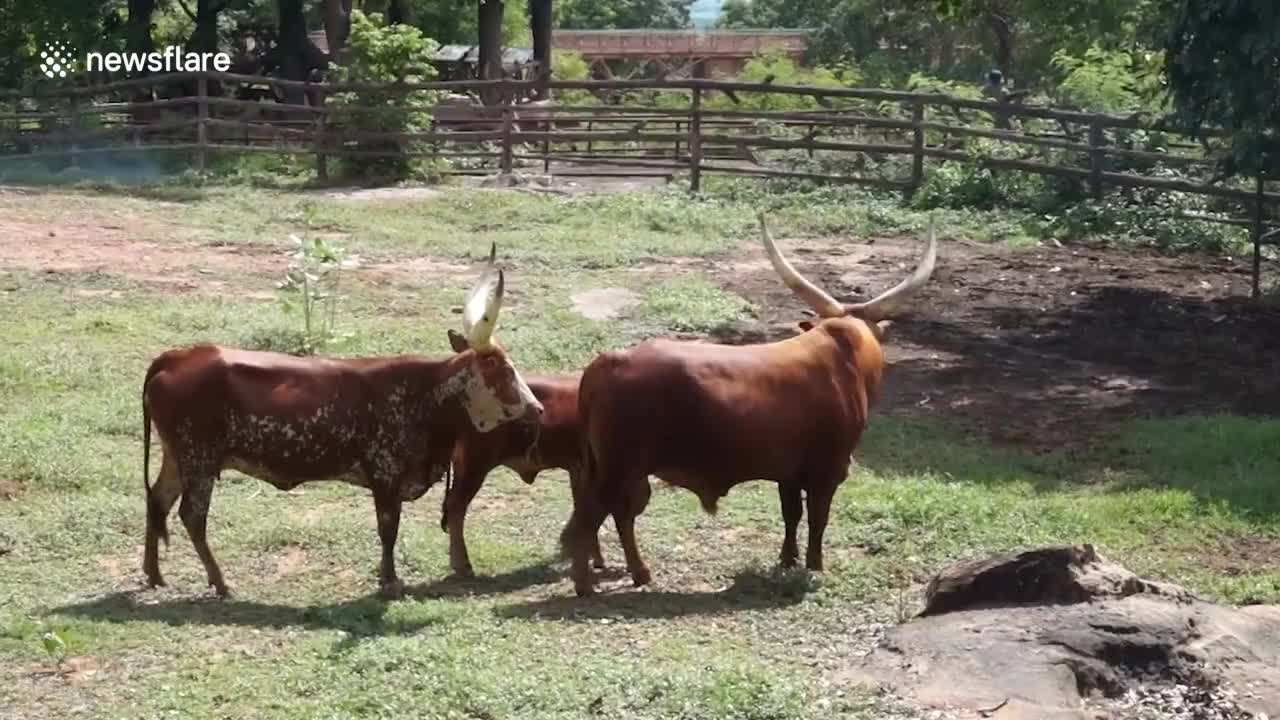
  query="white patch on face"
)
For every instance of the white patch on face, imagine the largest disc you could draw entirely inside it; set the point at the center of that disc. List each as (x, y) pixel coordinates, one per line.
(484, 407)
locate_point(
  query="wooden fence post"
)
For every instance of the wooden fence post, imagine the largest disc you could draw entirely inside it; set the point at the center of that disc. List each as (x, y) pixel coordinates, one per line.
(1097, 138)
(322, 160)
(695, 141)
(1255, 291)
(75, 130)
(676, 155)
(917, 148)
(507, 122)
(202, 128)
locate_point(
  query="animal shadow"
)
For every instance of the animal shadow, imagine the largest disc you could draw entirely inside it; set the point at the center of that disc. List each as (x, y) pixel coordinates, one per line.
(752, 589)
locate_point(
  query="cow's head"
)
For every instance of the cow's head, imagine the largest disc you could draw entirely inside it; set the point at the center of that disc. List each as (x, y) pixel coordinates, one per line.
(877, 312)
(492, 390)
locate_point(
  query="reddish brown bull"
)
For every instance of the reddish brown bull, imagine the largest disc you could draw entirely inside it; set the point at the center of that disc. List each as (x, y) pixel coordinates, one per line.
(707, 417)
(526, 449)
(387, 424)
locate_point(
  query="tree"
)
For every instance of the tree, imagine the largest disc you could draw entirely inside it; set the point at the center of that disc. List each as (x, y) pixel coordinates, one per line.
(1222, 58)
(622, 14)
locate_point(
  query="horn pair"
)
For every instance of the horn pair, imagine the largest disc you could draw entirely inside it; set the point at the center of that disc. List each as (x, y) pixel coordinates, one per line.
(887, 304)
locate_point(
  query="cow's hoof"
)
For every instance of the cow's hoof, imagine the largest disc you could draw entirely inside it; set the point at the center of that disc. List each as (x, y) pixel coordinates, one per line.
(465, 572)
(393, 590)
(599, 564)
(221, 592)
(155, 582)
(640, 576)
(584, 590)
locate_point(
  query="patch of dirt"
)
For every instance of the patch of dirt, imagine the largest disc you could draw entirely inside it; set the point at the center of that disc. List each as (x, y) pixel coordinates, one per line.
(1236, 556)
(86, 245)
(1040, 346)
(11, 489)
(390, 193)
(291, 561)
(113, 567)
(603, 303)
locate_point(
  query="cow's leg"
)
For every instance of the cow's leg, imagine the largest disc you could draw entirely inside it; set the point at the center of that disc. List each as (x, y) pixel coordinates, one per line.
(387, 506)
(466, 484)
(635, 498)
(582, 531)
(194, 511)
(792, 510)
(819, 501)
(597, 557)
(164, 493)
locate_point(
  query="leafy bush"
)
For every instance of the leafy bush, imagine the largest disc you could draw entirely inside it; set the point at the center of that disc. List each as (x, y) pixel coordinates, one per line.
(777, 68)
(380, 53)
(1108, 80)
(569, 65)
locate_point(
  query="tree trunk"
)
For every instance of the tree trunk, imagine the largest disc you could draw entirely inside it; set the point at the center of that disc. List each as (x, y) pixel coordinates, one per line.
(397, 13)
(540, 27)
(138, 26)
(337, 25)
(295, 55)
(1002, 28)
(490, 23)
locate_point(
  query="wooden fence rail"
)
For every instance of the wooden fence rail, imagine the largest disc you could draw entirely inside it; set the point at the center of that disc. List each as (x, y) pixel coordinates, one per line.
(676, 126)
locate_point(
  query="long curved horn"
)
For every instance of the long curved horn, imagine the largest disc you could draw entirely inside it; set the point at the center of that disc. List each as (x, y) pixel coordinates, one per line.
(894, 300)
(817, 298)
(493, 252)
(480, 314)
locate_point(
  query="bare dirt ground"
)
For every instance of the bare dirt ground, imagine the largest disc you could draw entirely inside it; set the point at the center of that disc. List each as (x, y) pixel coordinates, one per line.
(1028, 347)
(1037, 346)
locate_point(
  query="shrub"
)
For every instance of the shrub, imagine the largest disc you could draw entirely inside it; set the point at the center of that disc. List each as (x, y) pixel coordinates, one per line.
(380, 53)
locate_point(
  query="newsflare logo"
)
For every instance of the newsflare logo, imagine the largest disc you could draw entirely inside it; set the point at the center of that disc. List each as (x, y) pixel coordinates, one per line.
(56, 59)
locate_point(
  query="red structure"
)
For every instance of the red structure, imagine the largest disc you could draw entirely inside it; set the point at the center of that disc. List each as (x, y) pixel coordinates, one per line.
(711, 53)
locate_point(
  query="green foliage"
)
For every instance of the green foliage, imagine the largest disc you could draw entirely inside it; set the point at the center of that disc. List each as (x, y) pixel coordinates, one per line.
(569, 65)
(621, 14)
(314, 275)
(783, 71)
(379, 53)
(1223, 61)
(1108, 80)
(922, 83)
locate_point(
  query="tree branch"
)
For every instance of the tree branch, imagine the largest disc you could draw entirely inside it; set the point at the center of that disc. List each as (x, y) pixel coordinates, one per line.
(186, 9)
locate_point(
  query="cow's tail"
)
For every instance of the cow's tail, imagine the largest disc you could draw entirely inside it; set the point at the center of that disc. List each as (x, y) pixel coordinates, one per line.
(157, 522)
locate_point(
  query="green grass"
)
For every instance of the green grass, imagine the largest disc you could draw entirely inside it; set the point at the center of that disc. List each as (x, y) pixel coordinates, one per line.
(722, 633)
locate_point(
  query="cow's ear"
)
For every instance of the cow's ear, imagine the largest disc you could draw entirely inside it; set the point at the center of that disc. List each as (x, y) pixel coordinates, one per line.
(457, 342)
(805, 325)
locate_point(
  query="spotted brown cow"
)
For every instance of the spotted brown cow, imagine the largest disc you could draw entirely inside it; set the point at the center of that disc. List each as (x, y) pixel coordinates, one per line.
(388, 424)
(527, 449)
(707, 417)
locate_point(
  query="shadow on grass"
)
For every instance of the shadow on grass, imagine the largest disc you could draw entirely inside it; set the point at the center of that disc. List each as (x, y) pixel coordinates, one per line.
(360, 618)
(544, 572)
(752, 589)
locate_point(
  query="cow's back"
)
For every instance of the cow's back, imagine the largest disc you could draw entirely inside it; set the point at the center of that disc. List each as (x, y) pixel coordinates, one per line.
(722, 413)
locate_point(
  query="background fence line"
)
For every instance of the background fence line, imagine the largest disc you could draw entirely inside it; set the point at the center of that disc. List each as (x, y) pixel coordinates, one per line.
(671, 129)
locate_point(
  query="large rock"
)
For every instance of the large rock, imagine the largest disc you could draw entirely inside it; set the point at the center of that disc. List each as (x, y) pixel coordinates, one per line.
(1050, 576)
(1041, 634)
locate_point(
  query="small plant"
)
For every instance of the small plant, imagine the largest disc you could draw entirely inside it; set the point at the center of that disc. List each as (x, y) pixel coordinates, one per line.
(54, 646)
(315, 273)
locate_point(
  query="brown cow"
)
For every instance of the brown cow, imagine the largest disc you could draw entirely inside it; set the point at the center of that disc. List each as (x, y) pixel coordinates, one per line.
(527, 449)
(388, 424)
(707, 417)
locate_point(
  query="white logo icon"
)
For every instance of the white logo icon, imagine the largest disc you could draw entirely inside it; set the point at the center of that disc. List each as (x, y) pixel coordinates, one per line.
(55, 60)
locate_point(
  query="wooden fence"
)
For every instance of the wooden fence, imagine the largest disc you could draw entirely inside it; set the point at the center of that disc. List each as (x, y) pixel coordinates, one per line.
(874, 137)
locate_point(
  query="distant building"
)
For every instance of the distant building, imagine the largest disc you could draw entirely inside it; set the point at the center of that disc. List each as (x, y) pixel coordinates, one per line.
(715, 52)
